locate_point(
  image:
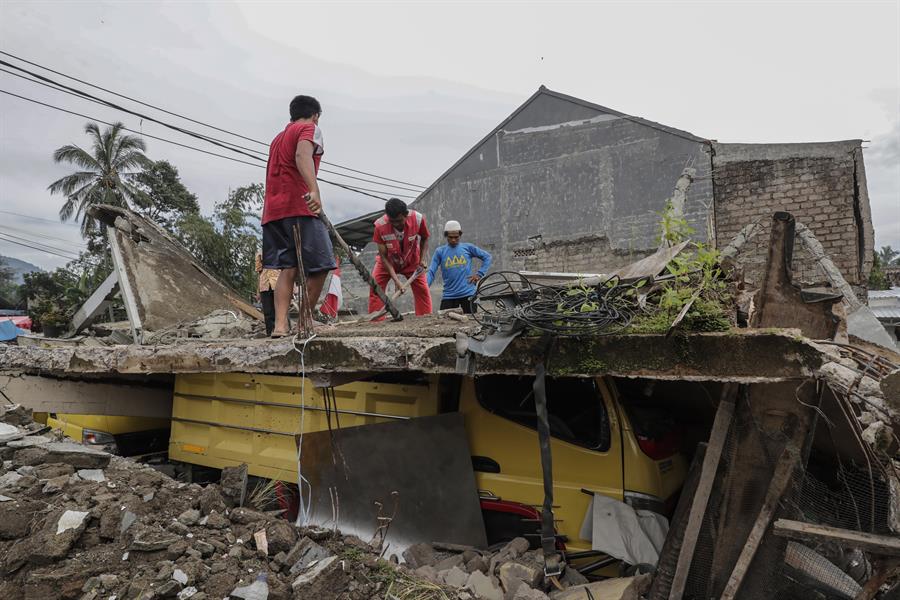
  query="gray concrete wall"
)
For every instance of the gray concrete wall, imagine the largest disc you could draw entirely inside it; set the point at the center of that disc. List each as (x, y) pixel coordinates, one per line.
(565, 186)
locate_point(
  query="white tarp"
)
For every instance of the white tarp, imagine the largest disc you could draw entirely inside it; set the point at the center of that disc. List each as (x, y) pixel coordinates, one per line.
(615, 528)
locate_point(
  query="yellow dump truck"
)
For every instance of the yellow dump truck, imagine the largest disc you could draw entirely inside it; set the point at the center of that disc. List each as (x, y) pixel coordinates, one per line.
(600, 442)
(126, 436)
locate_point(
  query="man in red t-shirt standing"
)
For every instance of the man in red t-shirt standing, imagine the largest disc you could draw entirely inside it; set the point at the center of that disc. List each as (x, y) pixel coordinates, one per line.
(402, 238)
(292, 197)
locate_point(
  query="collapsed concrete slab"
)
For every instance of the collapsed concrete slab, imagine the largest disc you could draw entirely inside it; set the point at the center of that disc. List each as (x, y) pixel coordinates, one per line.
(152, 269)
(430, 345)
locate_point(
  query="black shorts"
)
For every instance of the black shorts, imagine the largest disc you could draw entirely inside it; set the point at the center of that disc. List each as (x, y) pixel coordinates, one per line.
(464, 303)
(278, 245)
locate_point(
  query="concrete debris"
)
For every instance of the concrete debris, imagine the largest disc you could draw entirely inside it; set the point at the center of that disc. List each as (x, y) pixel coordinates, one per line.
(91, 535)
(71, 519)
(9, 433)
(92, 475)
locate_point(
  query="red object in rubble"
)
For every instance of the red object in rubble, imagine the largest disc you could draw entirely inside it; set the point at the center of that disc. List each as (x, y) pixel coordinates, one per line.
(22, 322)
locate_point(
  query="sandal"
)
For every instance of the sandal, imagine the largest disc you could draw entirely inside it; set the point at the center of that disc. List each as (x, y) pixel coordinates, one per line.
(279, 334)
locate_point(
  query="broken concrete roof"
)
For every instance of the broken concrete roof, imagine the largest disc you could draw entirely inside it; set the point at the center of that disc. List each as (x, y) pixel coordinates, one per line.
(153, 268)
(429, 344)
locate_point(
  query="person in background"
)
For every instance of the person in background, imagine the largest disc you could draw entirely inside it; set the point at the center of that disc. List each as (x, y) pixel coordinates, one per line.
(334, 297)
(402, 238)
(455, 262)
(268, 278)
(292, 198)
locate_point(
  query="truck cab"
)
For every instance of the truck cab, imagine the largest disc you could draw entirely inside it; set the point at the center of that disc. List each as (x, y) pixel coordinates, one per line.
(604, 439)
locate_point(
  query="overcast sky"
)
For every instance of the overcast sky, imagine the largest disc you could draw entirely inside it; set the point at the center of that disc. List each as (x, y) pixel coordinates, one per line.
(408, 88)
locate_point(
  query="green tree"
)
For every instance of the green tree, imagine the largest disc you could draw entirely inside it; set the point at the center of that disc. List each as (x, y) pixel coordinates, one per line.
(106, 174)
(165, 197)
(53, 297)
(8, 289)
(888, 256)
(227, 242)
(878, 280)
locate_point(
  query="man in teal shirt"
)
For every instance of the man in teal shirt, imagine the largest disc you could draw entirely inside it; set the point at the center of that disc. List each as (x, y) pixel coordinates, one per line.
(455, 261)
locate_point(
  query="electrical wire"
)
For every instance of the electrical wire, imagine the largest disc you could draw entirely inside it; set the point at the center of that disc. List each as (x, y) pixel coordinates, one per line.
(33, 241)
(359, 190)
(9, 212)
(58, 88)
(24, 245)
(507, 297)
(78, 243)
(180, 116)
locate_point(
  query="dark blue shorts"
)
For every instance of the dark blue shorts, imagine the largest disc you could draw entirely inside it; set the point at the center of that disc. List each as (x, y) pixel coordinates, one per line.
(278, 245)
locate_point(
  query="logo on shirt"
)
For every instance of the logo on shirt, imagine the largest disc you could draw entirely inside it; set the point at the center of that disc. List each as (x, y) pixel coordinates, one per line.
(456, 261)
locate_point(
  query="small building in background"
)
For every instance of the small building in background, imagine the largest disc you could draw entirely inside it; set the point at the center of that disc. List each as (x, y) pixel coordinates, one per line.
(886, 306)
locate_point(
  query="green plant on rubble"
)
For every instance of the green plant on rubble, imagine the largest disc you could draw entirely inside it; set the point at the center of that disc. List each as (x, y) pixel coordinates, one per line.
(694, 275)
(582, 300)
(673, 227)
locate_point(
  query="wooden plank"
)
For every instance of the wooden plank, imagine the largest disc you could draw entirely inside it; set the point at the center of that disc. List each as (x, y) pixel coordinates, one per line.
(43, 394)
(882, 545)
(884, 569)
(784, 471)
(717, 437)
(95, 304)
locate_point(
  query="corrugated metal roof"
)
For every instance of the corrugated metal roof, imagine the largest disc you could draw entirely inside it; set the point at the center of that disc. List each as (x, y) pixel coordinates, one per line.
(357, 232)
(883, 313)
(891, 293)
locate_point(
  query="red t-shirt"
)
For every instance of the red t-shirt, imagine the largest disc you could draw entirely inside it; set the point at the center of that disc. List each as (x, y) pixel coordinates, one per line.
(402, 247)
(285, 188)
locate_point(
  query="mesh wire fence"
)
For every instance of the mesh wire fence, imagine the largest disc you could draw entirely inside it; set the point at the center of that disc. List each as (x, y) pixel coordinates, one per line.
(840, 494)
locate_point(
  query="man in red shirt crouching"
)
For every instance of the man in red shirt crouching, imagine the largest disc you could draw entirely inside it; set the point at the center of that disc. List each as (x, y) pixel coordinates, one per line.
(292, 197)
(402, 238)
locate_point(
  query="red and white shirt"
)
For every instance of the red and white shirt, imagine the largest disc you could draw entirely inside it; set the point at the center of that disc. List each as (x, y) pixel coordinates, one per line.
(285, 188)
(402, 246)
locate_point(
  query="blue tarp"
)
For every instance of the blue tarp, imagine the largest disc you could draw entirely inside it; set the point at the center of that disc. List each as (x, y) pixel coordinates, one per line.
(8, 331)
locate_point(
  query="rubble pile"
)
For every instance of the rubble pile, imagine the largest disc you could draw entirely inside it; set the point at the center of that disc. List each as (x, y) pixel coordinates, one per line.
(78, 523)
(514, 572)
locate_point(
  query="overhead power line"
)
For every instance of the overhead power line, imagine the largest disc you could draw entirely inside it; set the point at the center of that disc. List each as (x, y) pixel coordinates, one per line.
(59, 254)
(133, 112)
(207, 138)
(186, 118)
(263, 155)
(79, 243)
(358, 190)
(9, 212)
(66, 90)
(38, 242)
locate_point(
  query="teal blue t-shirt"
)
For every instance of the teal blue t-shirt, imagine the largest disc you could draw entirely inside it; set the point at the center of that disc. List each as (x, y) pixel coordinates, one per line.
(456, 268)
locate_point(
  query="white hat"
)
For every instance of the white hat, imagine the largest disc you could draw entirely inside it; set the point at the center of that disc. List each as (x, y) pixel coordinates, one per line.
(452, 226)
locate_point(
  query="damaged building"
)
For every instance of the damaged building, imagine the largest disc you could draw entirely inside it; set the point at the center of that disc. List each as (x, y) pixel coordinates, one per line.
(566, 185)
(570, 440)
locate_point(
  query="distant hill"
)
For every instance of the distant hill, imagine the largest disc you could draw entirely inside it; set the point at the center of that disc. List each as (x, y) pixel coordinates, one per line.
(20, 267)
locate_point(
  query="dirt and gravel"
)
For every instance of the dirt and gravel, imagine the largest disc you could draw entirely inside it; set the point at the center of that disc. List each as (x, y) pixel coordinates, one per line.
(78, 523)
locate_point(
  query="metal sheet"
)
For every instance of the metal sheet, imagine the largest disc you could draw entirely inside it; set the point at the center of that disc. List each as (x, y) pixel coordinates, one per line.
(425, 460)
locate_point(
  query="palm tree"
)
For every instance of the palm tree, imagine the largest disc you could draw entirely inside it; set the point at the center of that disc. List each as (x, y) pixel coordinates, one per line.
(106, 176)
(888, 256)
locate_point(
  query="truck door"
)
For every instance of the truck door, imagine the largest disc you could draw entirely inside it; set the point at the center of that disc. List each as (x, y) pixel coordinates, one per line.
(586, 445)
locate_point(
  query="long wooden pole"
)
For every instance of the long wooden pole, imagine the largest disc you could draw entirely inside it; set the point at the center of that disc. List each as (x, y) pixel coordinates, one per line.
(361, 268)
(717, 437)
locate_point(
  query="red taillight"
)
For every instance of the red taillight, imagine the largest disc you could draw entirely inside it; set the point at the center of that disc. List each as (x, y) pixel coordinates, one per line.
(661, 447)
